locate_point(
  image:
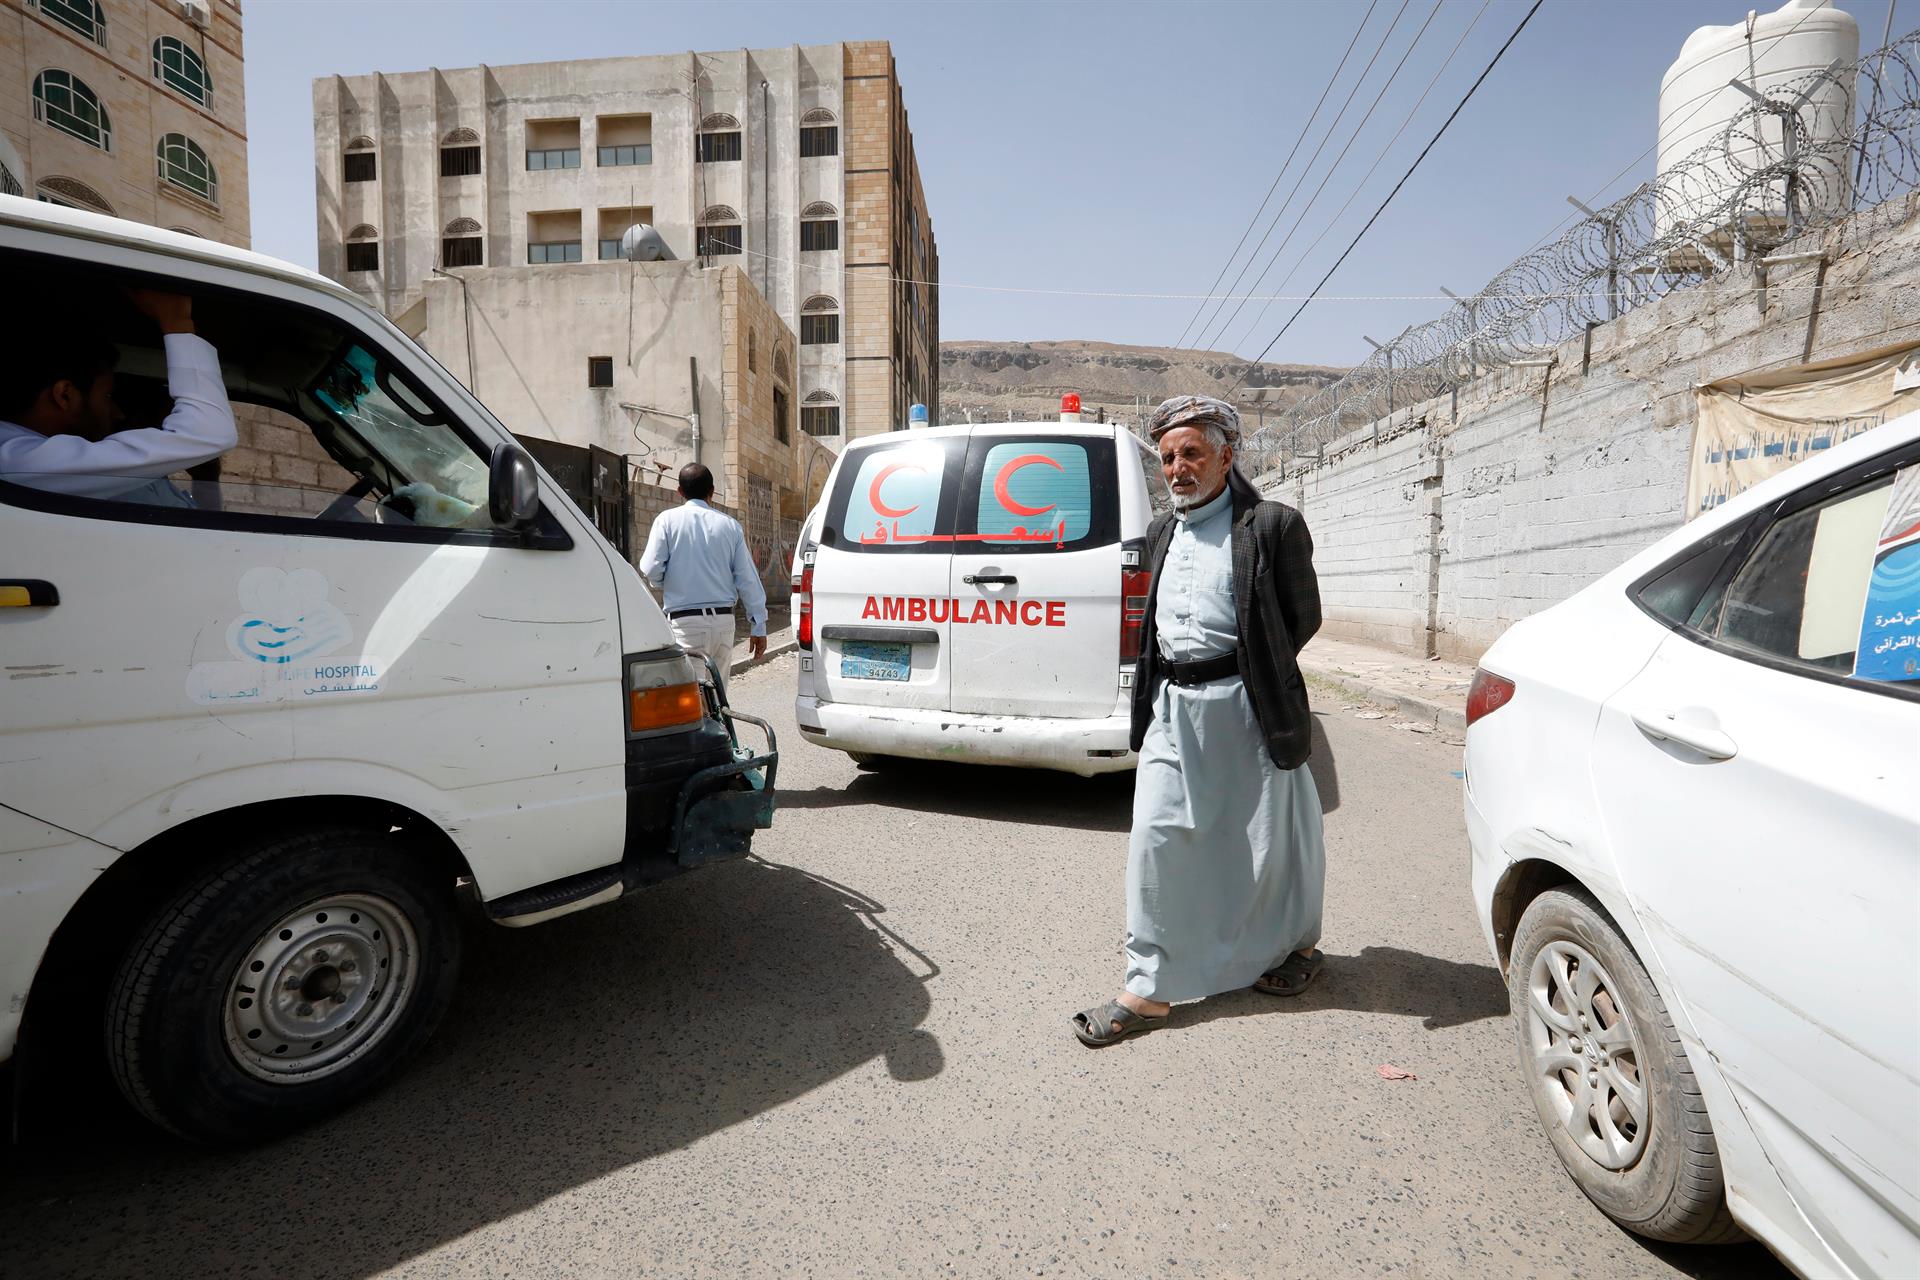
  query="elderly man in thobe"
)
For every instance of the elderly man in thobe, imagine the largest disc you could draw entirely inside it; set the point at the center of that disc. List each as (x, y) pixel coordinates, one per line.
(1225, 867)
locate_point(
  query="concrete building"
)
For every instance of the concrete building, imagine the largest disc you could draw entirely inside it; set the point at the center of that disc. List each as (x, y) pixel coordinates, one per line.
(793, 165)
(127, 107)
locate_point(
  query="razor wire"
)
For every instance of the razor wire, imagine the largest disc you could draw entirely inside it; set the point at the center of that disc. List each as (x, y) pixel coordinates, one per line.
(1806, 155)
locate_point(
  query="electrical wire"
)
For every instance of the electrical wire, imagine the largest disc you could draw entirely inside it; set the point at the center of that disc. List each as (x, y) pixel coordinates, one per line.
(1285, 165)
(1444, 126)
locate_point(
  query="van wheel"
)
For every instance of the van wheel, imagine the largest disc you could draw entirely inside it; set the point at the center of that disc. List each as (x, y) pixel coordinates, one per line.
(1608, 1075)
(869, 761)
(283, 984)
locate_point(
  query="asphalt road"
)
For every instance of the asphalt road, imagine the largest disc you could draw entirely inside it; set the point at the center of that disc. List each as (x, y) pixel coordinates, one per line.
(851, 1056)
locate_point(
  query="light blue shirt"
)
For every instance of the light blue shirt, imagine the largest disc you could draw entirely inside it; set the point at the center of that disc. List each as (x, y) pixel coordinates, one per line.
(1193, 610)
(698, 559)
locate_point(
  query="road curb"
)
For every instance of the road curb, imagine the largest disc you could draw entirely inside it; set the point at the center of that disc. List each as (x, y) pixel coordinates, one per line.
(780, 650)
(1408, 705)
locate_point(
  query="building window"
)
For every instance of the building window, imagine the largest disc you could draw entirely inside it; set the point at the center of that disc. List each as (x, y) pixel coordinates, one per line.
(599, 371)
(819, 234)
(359, 166)
(819, 331)
(182, 163)
(554, 158)
(820, 141)
(462, 251)
(180, 69)
(460, 162)
(10, 185)
(69, 194)
(820, 420)
(552, 251)
(65, 102)
(720, 239)
(782, 413)
(83, 16)
(637, 153)
(716, 148)
(753, 344)
(363, 255)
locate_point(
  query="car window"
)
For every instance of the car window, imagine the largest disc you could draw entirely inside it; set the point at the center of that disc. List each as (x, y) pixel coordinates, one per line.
(1038, 493)
(1801, 594)
(1676, 594)
(332, 434)
(890, 498)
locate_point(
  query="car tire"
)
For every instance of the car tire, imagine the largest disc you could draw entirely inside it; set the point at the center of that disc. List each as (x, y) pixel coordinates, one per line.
(283, 984)
(1608, 1075)
(870, 762)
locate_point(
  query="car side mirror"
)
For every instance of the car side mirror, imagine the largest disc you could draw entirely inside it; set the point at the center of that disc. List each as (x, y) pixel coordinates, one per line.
(513, 488)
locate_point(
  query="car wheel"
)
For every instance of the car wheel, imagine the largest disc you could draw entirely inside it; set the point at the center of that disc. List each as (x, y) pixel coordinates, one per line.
(870, 762)
(283, 984)
(1608, 1075)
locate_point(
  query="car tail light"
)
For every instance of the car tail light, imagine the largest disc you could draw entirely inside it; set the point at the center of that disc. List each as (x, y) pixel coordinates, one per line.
(1488, 694)
(1133, 602)
(803, 629)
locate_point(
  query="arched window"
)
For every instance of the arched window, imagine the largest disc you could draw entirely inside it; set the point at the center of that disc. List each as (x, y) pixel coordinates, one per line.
(460, 154)
(819, 115)
(65, 102)
(363, 248)
(819, 321)
(819, 227)
(461, 245)
(186, 166)
(718, 139)
(359, 161)
(720, 230)
(819, 134)
(83, 16)
(180, 69)
(820, 414)
(74, 195)
(782, 368)
(719, 120)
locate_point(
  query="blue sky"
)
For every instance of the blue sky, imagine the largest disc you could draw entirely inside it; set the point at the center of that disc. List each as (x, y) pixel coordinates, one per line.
(1117, 148)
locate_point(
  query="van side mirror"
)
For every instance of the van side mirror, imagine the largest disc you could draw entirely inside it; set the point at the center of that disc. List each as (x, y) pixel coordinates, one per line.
(513, 488)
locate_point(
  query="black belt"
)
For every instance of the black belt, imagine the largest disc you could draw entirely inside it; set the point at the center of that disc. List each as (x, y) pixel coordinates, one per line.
(1201, 670)
(701, 613)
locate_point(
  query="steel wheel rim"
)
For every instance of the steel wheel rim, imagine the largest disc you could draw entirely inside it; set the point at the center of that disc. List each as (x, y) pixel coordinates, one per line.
(321, 987)
(1585, 1055)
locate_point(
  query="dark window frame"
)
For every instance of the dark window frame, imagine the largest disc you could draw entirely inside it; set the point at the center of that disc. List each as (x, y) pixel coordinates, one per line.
(722, 147)
(817, 141)
(819, 412)
(360, 166)
(569, 158)
(462, 161)
(817, 230)
(455, 251)
(363, 255)
(610, 157)
(820, 329)
(721, 239)
(545, 249)
(599, 371)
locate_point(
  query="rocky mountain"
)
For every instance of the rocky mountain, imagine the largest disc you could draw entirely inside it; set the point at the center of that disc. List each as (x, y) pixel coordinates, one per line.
(992, 380)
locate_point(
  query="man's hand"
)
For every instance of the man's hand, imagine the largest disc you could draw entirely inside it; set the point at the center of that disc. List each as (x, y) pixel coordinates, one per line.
(173, 312)
(757, 645)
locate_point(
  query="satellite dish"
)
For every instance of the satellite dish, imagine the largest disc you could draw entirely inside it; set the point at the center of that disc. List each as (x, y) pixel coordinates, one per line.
(642, 243)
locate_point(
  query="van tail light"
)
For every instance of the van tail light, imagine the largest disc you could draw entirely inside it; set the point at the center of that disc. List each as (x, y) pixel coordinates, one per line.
(1133, 600)
(803, 629)
(1488, 694)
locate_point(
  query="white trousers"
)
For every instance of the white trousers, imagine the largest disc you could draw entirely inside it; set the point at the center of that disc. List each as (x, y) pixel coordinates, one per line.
(709, 634)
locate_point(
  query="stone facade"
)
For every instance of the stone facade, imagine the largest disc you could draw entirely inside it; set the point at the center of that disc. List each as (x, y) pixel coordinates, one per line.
(1437, 528)
(568, 154)
(112, 48)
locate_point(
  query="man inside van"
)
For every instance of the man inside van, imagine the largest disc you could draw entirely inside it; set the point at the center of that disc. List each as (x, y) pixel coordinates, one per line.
(1225, 865)
(61, 431)
(698, 559)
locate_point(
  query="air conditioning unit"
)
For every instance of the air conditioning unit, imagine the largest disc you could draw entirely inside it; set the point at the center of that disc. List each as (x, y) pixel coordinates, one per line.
(195, 12)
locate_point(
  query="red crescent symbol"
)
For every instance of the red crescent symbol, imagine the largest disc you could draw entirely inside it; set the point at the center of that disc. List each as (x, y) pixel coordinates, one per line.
(873, 491)
(1006, 474)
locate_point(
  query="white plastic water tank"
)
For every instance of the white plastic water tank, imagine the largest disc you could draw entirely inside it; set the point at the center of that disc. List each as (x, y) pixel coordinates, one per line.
(1770, 52)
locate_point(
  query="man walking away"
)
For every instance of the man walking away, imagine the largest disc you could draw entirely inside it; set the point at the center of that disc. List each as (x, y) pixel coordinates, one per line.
(697, 558)
(1225, 866)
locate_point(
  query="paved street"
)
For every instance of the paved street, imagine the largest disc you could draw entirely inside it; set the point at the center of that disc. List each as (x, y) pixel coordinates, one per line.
(851, 1057)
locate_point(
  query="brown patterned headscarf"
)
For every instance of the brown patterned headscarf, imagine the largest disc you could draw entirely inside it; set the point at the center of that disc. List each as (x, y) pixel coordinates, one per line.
(1194, 411)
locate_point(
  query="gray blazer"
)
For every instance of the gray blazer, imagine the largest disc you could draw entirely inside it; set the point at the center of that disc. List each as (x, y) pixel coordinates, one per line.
(1277, 599)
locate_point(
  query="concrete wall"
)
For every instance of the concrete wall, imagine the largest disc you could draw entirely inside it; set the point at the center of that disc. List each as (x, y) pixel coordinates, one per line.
(123, 178)
(1439, 527)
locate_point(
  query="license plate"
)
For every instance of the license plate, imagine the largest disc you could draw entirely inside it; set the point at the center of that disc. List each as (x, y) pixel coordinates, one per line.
(876, 660)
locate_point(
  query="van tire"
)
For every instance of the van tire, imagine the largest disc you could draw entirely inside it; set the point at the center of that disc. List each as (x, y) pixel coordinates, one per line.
(872, 762)
(1671, 1188)
(187, 1034)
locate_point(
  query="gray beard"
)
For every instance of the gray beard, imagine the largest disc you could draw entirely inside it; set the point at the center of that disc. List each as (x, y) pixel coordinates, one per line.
(1187, 502)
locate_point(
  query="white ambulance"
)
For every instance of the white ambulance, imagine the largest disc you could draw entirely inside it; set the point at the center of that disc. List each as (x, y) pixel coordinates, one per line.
(976, 593)
(258, 731)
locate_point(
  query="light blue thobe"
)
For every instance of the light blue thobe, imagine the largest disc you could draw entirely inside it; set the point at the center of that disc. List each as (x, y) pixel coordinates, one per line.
(1226, 867)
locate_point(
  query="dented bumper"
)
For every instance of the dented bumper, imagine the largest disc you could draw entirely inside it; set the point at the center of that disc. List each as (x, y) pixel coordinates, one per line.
(1075, 746)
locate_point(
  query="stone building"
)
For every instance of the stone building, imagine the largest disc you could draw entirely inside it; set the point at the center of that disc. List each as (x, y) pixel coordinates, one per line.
(795, 166)
(127, 107)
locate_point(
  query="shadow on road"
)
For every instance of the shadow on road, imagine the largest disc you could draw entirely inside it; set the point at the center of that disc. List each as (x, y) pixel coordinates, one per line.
(1441, 993)
(571, 1050)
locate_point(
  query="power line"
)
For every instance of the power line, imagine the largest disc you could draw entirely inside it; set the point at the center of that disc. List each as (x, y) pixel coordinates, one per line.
(1300, 220)
(1447, 123)
(1304, 130)
(1326, 138)
(1371, 170)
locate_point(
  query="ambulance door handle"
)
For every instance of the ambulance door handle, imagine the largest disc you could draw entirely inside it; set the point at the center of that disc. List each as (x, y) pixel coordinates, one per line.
(991, 580)
(28, 593)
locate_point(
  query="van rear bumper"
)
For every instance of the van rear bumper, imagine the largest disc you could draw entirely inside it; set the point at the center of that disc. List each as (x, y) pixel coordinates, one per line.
(971, 738)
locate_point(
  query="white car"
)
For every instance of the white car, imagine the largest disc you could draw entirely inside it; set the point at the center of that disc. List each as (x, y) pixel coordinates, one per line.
(975, 593)
(1693, 798)
(261, 729)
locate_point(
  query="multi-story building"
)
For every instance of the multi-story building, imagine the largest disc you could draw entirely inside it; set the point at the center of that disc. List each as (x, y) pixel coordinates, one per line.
(127, 107)
(796, 165)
